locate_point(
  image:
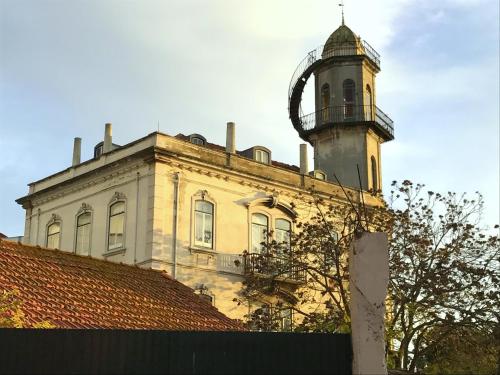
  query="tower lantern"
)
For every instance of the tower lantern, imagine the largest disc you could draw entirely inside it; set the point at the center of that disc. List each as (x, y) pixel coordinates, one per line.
(347, 128)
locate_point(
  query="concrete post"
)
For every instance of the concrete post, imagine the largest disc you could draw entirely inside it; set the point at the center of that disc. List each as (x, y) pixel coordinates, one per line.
(108, 142)
(304, 169)
(77, 151)
(368, 280)
(230, 138)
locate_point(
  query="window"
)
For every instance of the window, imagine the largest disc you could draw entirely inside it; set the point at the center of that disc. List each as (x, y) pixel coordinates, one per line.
(285, 319)
(83, 223)
(116, 225)
(54, 235)
(329, 260)
(374, 174)
(98, 150)
(203, 224)
(197, 139)
(325, 101)
(283, 230)
(349, 97)
(262, 156)
(319, 175)
(259, 232)
(368, 104)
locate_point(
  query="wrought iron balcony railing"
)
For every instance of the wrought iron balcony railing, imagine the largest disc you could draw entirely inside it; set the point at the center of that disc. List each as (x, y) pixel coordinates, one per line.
(349, 114)
(279, 267)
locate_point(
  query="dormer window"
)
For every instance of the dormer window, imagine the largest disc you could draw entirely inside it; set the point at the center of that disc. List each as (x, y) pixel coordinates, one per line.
(98, 150)
(197, 139)
(262, 156)
(320, 175)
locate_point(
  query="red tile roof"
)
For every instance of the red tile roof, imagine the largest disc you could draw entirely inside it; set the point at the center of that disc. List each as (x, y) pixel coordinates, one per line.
(72, 291)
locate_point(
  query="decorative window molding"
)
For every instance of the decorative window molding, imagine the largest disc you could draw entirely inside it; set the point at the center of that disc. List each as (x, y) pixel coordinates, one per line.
(203, 222)
(117, 196)
(83, 230)
(54, 218)
(53, 232)
(272, 201)
(116, 224)
(84, 208)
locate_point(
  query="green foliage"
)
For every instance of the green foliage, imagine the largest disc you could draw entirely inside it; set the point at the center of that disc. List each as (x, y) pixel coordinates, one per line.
(444, 271)
(12, 315)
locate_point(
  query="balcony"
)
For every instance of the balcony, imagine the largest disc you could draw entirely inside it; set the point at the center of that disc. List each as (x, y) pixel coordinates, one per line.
(349, 114)
(281, 268)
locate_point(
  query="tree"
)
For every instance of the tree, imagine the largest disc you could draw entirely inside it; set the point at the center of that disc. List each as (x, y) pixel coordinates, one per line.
(466, 351)
(11, 314)
(443, 269)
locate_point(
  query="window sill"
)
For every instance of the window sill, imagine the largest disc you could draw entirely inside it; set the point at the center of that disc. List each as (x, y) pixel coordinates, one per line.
(201, 250)
(109, 253)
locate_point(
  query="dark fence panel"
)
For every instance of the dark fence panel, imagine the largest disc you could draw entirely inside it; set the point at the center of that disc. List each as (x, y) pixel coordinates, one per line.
(164, 352)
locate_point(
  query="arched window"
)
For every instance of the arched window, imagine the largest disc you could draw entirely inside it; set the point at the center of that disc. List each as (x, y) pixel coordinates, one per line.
(368, 104)
(349, 98)
(259, 232)
(54, 235)
(198, 139)
(116, 225)
(82, 243)
(325, 101)
(203, 224)
(282, 231)
(374, 174)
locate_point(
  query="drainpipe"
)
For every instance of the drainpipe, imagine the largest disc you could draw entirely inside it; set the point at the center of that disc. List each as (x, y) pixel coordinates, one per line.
(175, 221)
(136, 214)
(37, 225)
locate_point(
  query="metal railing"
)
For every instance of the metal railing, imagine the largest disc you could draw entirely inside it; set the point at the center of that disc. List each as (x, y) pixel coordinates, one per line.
(348, 113)
(267, 265)
(306, 62)
(341, 49)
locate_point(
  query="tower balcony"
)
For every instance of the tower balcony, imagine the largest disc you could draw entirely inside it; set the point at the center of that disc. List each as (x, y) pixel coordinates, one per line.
(281, 268)
(348, 114)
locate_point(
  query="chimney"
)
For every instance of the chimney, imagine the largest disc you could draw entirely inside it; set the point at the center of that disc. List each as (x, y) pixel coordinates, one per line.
(230, 138)
(77, 151)
(107, 139)
(303, 159)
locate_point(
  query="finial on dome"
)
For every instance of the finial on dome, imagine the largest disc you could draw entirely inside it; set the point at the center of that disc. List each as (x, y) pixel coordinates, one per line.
(342, 5)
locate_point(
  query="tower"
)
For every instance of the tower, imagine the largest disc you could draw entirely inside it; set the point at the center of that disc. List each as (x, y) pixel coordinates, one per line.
(347, 128)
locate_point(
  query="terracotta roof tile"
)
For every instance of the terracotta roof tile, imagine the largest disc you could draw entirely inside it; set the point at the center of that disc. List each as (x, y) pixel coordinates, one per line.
(73, 291)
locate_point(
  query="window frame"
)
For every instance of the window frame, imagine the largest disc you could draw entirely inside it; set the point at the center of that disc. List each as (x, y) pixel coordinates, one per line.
(53, 221)
(289, 231)
(349, 106)
(260, 151)
(204, 196)
(374, 172)
(117, 198)
(212, 214)
(84, 210)
(268, 227)
(197, 139)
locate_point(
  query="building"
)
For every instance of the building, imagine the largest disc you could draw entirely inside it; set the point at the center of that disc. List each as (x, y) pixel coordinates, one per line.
(73, 291)
(186, 206)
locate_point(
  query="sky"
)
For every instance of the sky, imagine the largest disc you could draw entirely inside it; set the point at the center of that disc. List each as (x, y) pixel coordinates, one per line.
(190, 66)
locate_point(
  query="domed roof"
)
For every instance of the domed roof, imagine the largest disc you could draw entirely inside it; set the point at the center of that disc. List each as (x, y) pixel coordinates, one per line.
(343, 36)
